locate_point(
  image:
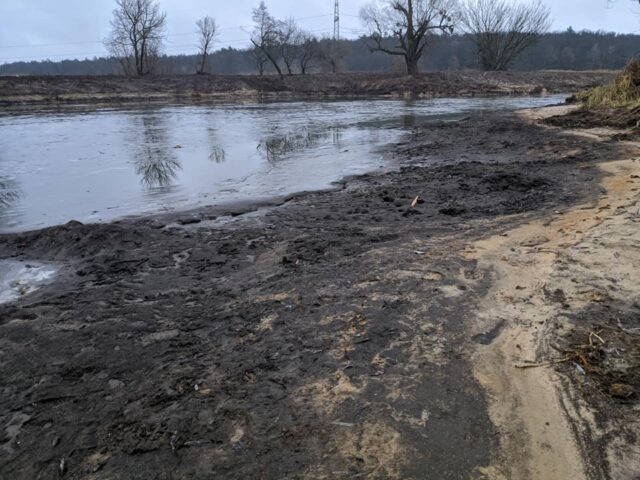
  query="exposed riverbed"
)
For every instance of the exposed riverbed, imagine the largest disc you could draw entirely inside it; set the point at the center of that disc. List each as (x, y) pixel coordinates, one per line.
(350, 333)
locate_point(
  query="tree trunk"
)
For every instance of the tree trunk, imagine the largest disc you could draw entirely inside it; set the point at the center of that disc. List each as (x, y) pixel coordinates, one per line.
(269, 57)
(203, 63)
(412, 66)
(274, 63)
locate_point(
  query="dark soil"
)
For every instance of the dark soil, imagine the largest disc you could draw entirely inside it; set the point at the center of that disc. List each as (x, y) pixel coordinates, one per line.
(324, 338)
(620, 118)
(73, 89)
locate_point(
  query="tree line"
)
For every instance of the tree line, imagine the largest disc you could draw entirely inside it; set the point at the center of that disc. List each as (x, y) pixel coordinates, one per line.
(410, 34)
(569, 50)
(500, 29)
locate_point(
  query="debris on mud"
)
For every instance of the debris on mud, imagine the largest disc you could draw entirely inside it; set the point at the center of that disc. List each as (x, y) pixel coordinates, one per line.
(609, 355)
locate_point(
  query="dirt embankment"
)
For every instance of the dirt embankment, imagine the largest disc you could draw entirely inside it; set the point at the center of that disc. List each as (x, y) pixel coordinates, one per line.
(347, 334)
(58, 89)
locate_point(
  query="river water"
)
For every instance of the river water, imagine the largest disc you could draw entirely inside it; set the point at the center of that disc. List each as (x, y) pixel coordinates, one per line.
(102, 164)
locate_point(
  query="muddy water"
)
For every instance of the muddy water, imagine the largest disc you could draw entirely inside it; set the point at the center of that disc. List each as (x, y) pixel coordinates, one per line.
(101, 165)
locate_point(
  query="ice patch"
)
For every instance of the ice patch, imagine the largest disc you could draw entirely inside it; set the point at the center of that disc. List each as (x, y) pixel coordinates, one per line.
(21, 278)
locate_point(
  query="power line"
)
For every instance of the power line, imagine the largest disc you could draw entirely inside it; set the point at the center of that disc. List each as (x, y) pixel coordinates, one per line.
(336, 35)
(105, 54)
(239, 27)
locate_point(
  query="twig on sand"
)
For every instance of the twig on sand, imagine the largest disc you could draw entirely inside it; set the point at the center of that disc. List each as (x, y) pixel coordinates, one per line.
(542, 364)
(594, 334)
(628, 331)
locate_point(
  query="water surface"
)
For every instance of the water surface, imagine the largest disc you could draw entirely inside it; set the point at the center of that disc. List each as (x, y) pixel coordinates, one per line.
(104, 164)
(21, 278)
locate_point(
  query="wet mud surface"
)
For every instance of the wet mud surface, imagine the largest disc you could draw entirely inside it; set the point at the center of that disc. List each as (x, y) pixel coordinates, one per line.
(328, 337)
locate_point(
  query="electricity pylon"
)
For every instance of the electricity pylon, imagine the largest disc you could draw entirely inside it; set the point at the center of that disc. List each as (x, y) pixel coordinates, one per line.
(336, 21)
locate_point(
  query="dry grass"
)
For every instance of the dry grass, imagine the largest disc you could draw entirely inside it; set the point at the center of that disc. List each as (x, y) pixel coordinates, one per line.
(624, 92)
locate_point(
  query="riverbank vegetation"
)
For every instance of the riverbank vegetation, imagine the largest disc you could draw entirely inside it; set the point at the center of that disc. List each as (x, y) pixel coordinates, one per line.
(615, 104)
(624, 92)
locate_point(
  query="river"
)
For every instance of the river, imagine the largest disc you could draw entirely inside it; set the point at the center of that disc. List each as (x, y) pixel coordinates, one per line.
(96, 165)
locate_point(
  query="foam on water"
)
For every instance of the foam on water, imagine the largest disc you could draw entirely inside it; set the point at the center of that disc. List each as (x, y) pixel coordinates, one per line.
(21, 278)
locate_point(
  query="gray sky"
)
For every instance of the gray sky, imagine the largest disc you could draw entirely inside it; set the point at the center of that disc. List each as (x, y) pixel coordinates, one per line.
(58, 29)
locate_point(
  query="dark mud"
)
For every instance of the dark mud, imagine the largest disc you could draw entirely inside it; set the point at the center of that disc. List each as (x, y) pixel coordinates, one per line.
(626, 120)
(324, 338)
(593, 118)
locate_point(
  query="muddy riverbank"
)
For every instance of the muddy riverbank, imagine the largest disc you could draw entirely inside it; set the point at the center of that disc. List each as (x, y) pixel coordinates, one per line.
(60, 90)
(377, 330)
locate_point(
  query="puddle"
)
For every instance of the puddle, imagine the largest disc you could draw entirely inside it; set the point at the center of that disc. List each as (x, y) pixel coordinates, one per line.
(21, 278)
(100, 165)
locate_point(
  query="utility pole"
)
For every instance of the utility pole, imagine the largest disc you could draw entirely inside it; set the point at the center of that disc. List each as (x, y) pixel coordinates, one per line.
(336, 21)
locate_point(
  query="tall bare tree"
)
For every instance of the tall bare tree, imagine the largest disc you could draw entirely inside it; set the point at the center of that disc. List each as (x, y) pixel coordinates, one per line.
(289, 39)
(137, 35)
(207, 30)
(308, 51)
(260, 59)
(331, 53)
(502, 30)
(266, 35)
(402, 27)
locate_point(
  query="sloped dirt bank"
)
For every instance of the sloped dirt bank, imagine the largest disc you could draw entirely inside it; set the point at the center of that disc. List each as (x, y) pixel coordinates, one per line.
(343, 334)
(60, 90)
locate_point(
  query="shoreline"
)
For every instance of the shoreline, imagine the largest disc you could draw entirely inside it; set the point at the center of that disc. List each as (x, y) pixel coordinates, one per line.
(195, 213)
(60, 91)
(341, 332)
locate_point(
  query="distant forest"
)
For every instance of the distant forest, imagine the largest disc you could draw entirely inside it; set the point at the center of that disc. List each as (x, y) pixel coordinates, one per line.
(568, 50)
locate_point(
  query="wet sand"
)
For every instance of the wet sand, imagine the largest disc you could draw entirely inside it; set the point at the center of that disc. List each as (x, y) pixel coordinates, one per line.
(344, 333)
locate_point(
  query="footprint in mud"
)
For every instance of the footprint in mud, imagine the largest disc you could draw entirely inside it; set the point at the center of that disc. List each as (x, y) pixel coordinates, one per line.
(180, 258)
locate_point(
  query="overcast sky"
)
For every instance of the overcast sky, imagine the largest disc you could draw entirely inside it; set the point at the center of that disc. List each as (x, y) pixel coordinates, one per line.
(58, 29)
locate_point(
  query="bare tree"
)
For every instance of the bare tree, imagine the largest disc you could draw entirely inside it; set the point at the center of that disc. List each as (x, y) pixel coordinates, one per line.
(260, 59)
(308, 51)
(402, 27)
(502, 30)
(331, 54)
(137, 34)
(266, 35)
(207, 30)
(288, 42)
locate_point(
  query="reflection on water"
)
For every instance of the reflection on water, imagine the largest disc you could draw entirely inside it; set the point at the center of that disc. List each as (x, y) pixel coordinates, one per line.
(218, 155)
(409, 121)
(9, 192)
(99, 165)
(280, 146)
(155, 161)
